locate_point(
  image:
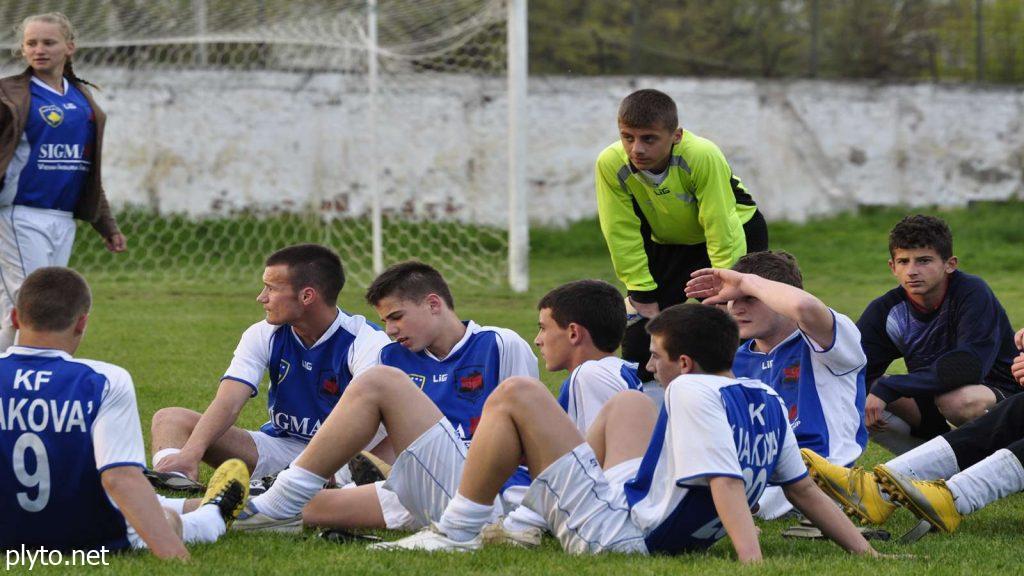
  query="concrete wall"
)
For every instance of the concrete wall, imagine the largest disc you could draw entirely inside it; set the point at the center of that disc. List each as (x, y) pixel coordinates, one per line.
(213, 143)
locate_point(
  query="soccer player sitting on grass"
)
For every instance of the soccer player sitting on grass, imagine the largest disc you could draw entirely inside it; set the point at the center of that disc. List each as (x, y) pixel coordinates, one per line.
(807, 352)
(71, 448)
(950, 330)
(312, 350)
(644, 482)
(427, 393)
(947, 477)
(581, 324)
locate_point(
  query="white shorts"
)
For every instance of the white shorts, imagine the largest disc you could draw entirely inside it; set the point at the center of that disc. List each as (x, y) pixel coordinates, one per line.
(584, 506)
(396, 517)
(30, 238)
(426, 475)
(277, 453)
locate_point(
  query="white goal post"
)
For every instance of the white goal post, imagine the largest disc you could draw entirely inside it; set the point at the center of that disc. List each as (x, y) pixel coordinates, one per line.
(387, 129)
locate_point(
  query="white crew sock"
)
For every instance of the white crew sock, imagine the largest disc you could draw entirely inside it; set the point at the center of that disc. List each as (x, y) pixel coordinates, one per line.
(995, 477)
(896, 438)
(203, 525)
(463, 519)
(522, 519)
(933, 460)
(291, 491)
(161, 454)
(176, 504)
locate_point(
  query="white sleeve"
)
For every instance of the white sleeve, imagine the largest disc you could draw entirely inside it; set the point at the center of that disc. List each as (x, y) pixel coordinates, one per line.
(252, 355)
(790, 466)
(365, 351)
(517, 358)
(116, 431)
(700, 435)
(591, 386)
(845, 355)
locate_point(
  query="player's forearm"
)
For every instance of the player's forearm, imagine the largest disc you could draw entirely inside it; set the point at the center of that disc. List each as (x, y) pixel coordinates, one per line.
(819, 509)
(130, 490)
(811, 314)
(730, 500)
(220, 415)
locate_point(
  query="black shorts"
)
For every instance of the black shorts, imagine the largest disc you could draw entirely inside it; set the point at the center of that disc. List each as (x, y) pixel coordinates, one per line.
(933, 423)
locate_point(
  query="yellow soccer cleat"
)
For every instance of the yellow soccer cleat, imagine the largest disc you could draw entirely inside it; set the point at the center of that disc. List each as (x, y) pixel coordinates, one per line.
(228, 489)
(929, 500)
(855, 489)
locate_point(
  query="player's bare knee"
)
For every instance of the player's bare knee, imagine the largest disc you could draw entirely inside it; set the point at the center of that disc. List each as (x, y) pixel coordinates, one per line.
(377, 381)
(632, 406)
(963, 405)
(168, 419)
(519, 389)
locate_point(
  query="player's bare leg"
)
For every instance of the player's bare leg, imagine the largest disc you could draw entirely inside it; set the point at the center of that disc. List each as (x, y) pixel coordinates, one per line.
(381, 395)
(172, 427)
(964, 404)
(522, 420)
(345, 509)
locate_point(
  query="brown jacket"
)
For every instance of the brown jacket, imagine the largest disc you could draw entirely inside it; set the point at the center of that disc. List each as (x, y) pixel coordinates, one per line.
(15, 102)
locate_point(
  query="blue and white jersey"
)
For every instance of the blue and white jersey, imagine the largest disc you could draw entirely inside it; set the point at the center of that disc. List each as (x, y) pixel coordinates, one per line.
(305, 383)
(823, 388)
(709, 426)
(53, 159)
(592, 384)
(460, 383)
(63, 422)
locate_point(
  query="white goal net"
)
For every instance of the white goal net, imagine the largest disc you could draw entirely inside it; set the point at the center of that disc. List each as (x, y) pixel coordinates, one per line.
(377, 127)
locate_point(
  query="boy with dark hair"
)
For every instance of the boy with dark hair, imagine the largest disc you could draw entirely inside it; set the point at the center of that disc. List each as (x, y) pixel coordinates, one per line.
(71, 448)
(668, 204)
(427, 392)
(311, 349)
(643, 482)
(807, 352)
(948, 327)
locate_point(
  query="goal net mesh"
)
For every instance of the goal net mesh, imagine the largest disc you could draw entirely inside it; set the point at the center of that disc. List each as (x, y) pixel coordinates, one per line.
(238, 127)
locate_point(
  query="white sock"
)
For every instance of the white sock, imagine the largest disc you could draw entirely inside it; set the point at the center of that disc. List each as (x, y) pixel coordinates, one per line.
(291, 491)
(932, 460)
(161, 454)
(176, 504)
(522, 519)
(203, 525)
(995, 477)
(463, 519)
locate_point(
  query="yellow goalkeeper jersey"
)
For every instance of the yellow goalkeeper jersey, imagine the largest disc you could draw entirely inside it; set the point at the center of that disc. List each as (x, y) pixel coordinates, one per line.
(699, 201)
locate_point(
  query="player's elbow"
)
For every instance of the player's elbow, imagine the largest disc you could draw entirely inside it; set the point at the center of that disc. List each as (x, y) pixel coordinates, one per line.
(799, 493)
(119, 480)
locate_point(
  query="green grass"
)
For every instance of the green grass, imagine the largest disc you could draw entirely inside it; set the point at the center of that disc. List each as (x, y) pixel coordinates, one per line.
(177, 340)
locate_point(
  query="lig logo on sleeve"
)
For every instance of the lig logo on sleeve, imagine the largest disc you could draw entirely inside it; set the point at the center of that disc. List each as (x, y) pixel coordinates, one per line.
(52, 115)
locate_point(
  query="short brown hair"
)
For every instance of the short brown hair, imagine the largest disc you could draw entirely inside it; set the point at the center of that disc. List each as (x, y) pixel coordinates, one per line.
(312, 265)
(920, 231)
(411, 280)
(706, 334)
(52, 299)
(649, 108)
(594, 304)
(777, 265)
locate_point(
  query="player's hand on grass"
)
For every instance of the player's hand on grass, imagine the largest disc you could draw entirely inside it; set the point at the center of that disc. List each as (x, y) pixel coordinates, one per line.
(645, 309)
(116, 242)
(873, 408)
(180, 462)
(715, 285)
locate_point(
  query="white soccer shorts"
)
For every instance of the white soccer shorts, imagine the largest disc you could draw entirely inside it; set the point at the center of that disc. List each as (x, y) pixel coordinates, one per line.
(426, 475)
(276, 454)
(30, 238)
(584, 506)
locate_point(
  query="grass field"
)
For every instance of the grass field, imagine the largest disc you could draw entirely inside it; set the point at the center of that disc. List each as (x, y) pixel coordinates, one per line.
(177, 342)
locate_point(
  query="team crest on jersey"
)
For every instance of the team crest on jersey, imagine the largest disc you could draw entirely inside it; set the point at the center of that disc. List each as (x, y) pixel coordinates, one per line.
(283, 370)
(52, 115)
(418, 379)
(329, 384)
(471, 384)
(791, 373)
